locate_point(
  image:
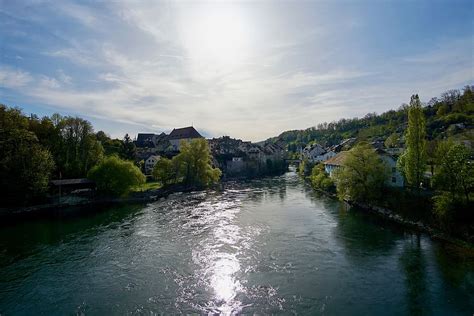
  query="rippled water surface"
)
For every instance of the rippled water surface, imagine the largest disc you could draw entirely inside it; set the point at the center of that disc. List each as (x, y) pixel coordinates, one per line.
(270, 246)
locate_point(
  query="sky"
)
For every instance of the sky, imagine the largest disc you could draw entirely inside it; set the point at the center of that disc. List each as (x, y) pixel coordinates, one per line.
(250, 69)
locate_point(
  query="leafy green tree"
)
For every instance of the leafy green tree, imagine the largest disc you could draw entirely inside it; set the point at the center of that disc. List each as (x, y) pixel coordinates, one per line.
(305, 167)
(165, 171)
(25, 165)
(413, 161)
(320, 179)
(392, 141)
(111, 146)
(362, 176)
(115, 176)
(454, 172)
(77, 149)
(194, 164)
(129, 149)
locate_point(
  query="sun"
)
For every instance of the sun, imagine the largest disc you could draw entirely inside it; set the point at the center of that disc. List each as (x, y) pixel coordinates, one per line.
(220, 35)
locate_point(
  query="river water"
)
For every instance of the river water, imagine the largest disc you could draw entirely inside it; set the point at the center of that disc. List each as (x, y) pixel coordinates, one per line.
(270, 246)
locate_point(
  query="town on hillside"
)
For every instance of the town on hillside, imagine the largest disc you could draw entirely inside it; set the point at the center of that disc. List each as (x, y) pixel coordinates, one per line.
(333, 157)
(234, 157)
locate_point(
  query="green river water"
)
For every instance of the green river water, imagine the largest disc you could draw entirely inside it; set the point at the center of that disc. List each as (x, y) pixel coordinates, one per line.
(270, 246)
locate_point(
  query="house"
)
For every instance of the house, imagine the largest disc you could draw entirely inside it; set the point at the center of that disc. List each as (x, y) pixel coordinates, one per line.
(316, 153)
(325, 156)
(335, 162)
(396, 178)
(145, 140)
(254, 152)
(311, 152)
(178, 135)
(150, 163)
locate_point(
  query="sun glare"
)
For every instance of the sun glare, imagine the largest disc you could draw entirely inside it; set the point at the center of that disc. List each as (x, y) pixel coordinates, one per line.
(218, 35)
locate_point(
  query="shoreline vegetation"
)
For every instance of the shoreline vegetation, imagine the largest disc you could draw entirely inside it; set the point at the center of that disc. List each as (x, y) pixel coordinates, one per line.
(430, 144)
(438, 202)
(391, 216)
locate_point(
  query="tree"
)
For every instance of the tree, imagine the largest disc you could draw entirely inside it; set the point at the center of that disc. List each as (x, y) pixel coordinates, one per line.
(392, 141)
(78, 148)
(320, 179)
(362, 176)
(129, 149)
(25, 165)
(413, 161)
(194, 164)
(165, 171)
(111, 146)
(454, 173)
(115, 176)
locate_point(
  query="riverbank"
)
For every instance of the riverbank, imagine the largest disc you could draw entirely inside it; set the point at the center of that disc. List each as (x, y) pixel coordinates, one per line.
(394, 217)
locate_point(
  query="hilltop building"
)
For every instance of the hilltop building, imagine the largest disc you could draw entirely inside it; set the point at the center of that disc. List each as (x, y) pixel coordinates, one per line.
(178, 135)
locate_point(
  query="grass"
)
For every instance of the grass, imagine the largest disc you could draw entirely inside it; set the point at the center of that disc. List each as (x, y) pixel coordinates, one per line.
(152, 185)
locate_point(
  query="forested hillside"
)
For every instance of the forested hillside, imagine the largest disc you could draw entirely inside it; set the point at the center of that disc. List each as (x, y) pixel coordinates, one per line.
(449, 116)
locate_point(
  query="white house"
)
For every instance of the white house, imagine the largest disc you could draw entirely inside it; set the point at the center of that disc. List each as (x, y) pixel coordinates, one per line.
(150, 163)
(396, 178)
(178, 135)
(335, 162)
(311, 152)
(327, 155)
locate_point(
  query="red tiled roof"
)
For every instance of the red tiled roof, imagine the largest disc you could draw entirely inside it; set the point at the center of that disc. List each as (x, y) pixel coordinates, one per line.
(337, 160)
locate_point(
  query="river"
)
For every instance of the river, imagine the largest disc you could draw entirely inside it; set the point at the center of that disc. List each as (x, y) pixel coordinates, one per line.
(270, 246)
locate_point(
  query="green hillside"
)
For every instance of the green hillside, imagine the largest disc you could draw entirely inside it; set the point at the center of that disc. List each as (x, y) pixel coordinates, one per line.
(449, 116)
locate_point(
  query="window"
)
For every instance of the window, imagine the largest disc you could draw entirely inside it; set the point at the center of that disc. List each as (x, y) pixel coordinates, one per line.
(394, 169)
(394, 179)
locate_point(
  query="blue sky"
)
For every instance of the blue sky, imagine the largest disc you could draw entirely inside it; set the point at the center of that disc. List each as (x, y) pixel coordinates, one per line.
(246, 69)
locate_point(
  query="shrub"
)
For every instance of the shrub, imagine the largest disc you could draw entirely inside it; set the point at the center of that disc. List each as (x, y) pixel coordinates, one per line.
(320, 179)
(363, 175)
(115, 176)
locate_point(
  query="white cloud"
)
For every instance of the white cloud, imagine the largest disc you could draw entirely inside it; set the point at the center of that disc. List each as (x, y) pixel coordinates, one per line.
(14, 78)
(151, 74)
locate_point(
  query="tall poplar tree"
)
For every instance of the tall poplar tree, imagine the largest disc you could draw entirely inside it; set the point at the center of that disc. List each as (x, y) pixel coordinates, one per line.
(413, 161)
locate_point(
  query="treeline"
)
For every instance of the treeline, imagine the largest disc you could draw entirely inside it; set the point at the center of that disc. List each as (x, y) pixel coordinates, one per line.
(452, 107)
(442, 194)
(34, 150)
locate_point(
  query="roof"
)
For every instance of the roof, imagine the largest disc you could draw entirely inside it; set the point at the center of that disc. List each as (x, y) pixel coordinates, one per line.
(154, 156)
(337, 160)
(185, 132)
(383, 152)
(145, 139)
(72, 181)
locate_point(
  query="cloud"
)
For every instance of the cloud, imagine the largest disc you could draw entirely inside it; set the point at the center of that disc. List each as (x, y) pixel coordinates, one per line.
(13, 78)
(147, 73)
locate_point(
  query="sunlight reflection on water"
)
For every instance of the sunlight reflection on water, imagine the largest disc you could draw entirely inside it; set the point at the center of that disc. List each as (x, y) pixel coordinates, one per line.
(217, 255)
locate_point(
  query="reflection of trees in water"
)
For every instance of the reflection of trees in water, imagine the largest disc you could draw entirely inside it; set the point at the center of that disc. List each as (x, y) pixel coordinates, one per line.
(361, 237)
(21, 239)
(413, 263)
(456, 266)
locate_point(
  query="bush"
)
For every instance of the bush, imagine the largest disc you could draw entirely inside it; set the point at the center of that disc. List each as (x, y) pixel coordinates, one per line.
(363, 175)
(165, 171)
(320, 179)
(115, 176)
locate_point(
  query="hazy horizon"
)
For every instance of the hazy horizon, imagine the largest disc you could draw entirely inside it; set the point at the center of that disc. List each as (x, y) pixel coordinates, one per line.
(250, 70)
